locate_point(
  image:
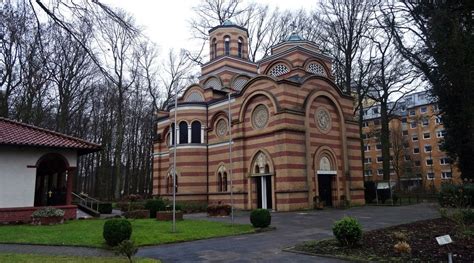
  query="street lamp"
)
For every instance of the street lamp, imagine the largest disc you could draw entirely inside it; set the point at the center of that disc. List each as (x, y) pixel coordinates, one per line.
(175, 142)
(175, 129)
(229, 115)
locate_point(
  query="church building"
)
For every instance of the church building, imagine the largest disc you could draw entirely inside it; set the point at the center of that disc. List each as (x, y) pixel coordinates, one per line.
(292, 139)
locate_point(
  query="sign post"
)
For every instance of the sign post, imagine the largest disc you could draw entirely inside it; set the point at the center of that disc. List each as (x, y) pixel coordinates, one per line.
(446, 240)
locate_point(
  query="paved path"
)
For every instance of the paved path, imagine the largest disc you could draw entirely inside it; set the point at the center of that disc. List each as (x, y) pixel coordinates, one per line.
(291, 228)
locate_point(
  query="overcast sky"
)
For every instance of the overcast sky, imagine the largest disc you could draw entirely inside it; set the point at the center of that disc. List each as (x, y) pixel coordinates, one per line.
(166, 22)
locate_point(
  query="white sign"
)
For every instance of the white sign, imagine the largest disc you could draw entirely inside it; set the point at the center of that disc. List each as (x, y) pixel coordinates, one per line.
(443, 240)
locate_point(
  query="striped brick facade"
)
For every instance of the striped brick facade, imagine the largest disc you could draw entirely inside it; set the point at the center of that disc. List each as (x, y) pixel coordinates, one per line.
(276, 164)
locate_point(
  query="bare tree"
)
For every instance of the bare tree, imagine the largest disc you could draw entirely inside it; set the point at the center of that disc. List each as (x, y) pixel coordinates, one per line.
(121, 63)
(211, 13)
(345, 22)
(15, 24)
(393, 77)
(72, 72)
(175, 76)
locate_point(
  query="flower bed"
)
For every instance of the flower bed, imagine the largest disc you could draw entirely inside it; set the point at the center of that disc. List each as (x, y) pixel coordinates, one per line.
(219, 210)
(168, 215)
(379, 245)
(137, 214)
(47, 216)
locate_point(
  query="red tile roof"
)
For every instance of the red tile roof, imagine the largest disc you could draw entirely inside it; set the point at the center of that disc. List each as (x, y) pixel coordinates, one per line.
(17, 133)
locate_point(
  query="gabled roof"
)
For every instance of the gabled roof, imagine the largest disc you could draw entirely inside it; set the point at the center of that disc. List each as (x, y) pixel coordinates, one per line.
(17, 133)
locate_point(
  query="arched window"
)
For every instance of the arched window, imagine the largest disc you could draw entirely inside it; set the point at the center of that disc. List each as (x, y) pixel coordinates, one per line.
(173, 130)
(316, 69)
(239, 48)
(214, 48)
(213, 83)
(219, 182)
(183, 132)
(278, 70)
(240, 82)
(195, 96)
(226, 45)
(196, 132)
(224, 182)
(222, 179)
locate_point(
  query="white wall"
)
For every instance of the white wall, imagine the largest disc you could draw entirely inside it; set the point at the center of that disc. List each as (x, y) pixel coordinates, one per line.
(17, 181)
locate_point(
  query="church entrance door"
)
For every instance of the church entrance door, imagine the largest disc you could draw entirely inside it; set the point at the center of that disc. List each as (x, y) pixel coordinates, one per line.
(264, 191)
(325, 188)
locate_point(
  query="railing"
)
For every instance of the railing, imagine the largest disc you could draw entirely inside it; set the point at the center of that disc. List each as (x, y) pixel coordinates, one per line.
(87, 201)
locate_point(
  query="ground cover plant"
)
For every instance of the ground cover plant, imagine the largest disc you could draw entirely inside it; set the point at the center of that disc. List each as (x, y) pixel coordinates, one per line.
(387, 244)
(145, 232)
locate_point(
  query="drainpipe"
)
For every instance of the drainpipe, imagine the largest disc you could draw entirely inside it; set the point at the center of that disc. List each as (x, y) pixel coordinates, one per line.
(206, 141)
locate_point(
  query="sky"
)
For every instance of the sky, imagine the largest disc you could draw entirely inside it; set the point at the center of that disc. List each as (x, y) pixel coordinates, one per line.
(167, 22)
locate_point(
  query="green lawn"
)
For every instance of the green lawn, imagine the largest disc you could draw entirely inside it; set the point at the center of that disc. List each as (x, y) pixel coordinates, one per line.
(33, 258)
(145, 232)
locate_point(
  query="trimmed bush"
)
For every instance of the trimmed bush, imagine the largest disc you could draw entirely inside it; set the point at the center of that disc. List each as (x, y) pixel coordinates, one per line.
(137, 214)
(155, 205)
(105, 208)
(116, 231)
(260, 218)
(347, 231)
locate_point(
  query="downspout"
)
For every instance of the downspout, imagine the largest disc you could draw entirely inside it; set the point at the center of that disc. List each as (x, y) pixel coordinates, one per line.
(207, 153)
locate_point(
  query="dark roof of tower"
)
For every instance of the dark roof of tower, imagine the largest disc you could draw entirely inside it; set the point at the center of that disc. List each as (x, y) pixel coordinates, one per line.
(228, 23)
(294, 37)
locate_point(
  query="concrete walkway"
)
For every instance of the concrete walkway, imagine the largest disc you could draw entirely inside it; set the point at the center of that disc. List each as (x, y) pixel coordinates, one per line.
(291, 228)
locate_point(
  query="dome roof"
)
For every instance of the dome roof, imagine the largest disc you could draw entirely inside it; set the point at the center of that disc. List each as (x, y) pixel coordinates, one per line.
(294, 37)
(228, 23)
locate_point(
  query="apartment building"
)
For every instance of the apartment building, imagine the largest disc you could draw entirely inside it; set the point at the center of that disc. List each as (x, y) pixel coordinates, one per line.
(416, 134)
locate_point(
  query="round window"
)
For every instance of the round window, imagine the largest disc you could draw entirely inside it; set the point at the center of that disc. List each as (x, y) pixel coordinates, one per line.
(260, 116)
(323, 119)
(221, 128)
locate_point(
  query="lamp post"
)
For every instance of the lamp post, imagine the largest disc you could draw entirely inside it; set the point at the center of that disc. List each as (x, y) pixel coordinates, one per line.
(230, 159)
(174, 154)
(175, 142)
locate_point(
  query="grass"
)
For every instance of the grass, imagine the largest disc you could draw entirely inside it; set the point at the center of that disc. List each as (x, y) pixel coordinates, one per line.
(145, 232)
(33, 258)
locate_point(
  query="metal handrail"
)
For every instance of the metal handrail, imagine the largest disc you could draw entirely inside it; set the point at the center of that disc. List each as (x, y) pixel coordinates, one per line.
(85, 200)
(88, 197)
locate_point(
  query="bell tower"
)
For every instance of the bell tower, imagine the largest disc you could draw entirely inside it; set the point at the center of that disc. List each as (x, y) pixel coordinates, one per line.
(228, 57)
(228, 39)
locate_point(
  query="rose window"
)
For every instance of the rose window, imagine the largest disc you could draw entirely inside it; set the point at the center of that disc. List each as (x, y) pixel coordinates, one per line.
(221, 127)
(260, 116)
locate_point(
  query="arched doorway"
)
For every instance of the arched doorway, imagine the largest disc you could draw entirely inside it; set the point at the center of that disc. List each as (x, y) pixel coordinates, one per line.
(51, 180)
(326, 178)
(262, 172)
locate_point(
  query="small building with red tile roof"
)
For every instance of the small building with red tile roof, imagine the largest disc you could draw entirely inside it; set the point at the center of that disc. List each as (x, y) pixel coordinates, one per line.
(37, 169)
